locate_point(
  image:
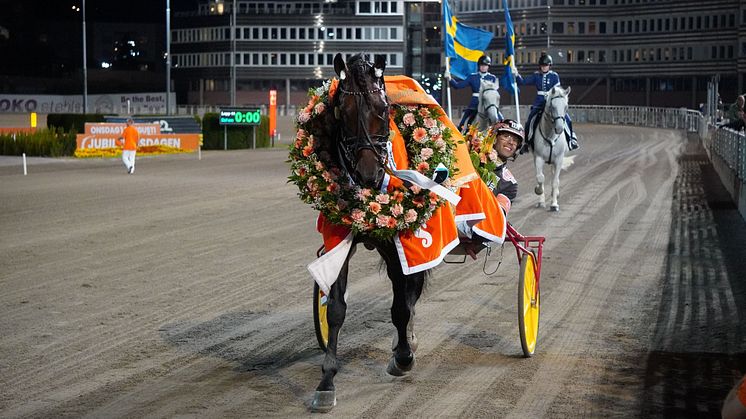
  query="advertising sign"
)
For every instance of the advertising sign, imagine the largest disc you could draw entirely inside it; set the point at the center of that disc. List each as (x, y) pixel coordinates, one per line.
(105, 135)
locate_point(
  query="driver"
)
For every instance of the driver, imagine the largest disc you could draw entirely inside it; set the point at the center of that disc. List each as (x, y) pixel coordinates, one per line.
(509, 136)
(473, 80)
(544, 80)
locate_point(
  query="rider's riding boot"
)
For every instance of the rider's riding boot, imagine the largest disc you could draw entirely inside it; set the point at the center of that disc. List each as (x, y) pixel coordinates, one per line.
(573, 142)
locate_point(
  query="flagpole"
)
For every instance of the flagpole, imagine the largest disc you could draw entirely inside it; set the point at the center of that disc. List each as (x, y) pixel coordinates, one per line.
(448, 85)
(517, 109)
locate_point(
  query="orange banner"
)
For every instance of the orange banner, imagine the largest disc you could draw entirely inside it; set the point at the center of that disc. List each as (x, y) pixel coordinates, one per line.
(182, 141)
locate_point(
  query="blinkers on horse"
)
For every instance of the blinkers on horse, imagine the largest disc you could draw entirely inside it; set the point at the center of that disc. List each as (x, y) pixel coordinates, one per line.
(363, 109)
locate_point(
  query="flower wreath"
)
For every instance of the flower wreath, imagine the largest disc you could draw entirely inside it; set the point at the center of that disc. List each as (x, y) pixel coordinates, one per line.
(369, 211)
(484, 157)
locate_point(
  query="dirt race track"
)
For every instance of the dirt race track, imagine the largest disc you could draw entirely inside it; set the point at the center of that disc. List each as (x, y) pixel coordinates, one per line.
(182, 291)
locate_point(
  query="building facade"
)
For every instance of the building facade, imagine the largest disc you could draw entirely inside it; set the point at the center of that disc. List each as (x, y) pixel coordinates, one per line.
(625, 52)
(285, 45)
(615, 52)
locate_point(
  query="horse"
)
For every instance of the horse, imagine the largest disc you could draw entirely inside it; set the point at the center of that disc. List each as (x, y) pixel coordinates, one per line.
(488, 111)
(550, 143)
(356, 142)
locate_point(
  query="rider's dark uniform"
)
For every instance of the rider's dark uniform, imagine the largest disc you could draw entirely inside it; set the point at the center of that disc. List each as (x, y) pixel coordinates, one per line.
(506, 183)
(544, 82)
(473, 80)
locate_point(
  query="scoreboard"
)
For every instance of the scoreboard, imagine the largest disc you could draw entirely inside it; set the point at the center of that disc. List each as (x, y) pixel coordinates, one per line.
(240, 116)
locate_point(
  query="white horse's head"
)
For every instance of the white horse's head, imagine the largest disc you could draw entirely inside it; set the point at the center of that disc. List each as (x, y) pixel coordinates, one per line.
(555, 107)
(489, 101)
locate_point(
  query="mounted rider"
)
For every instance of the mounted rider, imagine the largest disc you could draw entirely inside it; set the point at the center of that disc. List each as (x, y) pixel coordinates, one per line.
(473, 80)
(544, 80)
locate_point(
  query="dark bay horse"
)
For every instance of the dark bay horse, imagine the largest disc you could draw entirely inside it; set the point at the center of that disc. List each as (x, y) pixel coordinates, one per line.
(356, 134)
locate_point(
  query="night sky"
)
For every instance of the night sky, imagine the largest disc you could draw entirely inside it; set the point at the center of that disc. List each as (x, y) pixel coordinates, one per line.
(96, 10)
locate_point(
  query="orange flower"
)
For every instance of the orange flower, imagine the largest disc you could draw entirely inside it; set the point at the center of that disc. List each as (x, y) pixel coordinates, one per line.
(375, 207)
(333, 87)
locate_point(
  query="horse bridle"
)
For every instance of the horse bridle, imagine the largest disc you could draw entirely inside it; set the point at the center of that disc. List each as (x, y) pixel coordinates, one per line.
(545, 114)
(349, 145)
(483, 114)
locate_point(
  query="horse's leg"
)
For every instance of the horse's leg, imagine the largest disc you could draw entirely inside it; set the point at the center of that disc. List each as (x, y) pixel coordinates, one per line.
(539, 189)
(407, 290)
(555, 181)
(325, 397)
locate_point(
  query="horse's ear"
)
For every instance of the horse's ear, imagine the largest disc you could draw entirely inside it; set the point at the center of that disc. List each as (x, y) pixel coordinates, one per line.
(568, 90)
(379, 64)
(340, 67)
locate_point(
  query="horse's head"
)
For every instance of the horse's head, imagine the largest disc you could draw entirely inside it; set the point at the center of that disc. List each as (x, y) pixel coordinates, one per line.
(363, 113)
(556, 107)
(489, 101)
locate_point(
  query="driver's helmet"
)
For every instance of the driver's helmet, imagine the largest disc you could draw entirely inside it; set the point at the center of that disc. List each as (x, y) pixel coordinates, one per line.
(545, 59)
(513, 127)
(484, 60)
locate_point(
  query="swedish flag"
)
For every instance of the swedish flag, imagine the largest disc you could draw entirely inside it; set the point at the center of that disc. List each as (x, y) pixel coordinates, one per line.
(508, 78)
(464, 44)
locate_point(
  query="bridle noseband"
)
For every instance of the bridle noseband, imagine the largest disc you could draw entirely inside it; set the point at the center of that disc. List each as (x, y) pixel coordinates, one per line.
(349, 145)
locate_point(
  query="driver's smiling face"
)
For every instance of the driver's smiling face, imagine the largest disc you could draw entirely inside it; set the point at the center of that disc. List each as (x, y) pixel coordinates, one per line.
(506, 144)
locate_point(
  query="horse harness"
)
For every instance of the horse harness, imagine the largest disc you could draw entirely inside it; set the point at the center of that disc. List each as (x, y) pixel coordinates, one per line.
(554, 138)
(484, 115)
(349, 145)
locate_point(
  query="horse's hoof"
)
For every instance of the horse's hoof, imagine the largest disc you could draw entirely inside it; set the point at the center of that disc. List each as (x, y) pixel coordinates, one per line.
(324, 401)
(541, 205)
(538, 190)
(398, 370)
(554, 208)
(412, 342)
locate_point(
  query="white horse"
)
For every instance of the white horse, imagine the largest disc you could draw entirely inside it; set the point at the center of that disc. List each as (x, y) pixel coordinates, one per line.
(550, 143)
(488, 111)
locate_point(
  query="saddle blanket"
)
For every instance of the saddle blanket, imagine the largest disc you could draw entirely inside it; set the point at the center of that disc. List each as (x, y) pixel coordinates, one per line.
(475, 205)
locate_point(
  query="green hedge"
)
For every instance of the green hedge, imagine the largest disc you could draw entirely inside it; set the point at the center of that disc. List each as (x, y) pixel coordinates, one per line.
(238, 137)
(42, 143)
(72, 121)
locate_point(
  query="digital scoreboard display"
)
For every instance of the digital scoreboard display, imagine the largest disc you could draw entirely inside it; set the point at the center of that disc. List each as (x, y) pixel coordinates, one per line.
(240, 116)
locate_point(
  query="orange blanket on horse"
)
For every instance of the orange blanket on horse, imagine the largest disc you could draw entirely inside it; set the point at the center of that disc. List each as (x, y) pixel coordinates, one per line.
(426, 247)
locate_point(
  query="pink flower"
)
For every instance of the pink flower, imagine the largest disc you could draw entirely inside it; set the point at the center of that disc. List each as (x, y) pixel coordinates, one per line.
(319, 108)
(424, 112)
(408, 119)
(304, 117)
(415, 189)
(363, 194)
(440, 144)
(374, 207)
(410, 216)
(434, 131)
(422, 167)
(430, 123)
(382, 220)
(358, 215)
(419, 134)
(301, 133)
(426, 153)
(319, 165)
(493, 155)
(383, 198)
(397, 210)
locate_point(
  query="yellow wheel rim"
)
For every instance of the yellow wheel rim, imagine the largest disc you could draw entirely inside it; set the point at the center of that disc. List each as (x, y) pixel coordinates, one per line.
(528, 305)
(321, 326)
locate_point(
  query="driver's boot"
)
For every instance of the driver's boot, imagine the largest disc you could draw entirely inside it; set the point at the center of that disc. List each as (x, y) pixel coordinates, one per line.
(573, 141)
